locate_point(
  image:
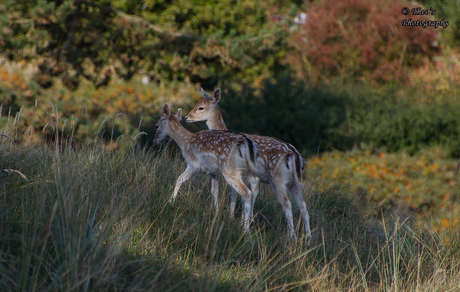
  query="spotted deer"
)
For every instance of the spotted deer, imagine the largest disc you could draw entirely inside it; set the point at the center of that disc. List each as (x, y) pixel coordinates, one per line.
(211, 152)
(279, 163)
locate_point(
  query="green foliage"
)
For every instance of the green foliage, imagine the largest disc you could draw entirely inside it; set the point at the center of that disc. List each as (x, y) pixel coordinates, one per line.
(313, 119)
(87, 58)
(388, 119)
(166, 41)
(450, 11)
(83, 115)
(342, 115)
(202, 17)
(304, 116)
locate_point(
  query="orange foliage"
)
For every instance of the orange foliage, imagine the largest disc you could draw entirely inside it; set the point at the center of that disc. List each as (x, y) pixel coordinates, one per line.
(423, 184)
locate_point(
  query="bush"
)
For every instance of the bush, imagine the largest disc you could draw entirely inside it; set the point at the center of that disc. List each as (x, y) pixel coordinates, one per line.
(389, 119)
(359, 39)
(287, 110)
(341, 116)
(170, 41)
(84, 114)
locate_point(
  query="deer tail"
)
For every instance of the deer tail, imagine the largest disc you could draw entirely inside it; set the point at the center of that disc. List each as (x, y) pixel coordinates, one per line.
(251, 153)
(297, 162)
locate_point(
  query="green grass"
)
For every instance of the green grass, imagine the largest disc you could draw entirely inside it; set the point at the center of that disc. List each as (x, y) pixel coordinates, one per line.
(98, 220)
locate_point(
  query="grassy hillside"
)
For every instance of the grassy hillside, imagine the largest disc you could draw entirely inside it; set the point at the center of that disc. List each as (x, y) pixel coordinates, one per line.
(84, 194)
(423, 185)
(98, 220)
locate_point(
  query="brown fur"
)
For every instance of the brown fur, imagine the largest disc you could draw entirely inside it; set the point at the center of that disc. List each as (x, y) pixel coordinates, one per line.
(273, 162)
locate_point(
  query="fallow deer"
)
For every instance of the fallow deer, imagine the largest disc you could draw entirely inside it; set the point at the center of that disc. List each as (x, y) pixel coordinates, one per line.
(279, 163)
(212, 152)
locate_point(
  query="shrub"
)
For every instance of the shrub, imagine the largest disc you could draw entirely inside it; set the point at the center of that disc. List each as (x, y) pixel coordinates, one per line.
(287, 110)
(341, 115)
(359, 38)
(84, 114)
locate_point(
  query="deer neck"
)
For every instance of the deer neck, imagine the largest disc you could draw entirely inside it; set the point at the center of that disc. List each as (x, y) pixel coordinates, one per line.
(216, 122)
(179, 134)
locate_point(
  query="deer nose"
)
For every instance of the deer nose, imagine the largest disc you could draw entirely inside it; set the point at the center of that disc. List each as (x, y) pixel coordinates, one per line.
(186, 117)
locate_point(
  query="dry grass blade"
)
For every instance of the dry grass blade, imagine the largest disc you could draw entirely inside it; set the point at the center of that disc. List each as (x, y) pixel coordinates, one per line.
(78, 112)
(103, 122)
(140, 134)
(16, 171)
(44, 128)
(360, 267)
(3, 135)
(18, 115)
(52, 105)
(51, 119)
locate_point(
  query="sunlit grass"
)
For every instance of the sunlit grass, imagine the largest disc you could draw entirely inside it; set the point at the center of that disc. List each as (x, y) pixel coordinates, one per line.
(98, 220)
(423, 185)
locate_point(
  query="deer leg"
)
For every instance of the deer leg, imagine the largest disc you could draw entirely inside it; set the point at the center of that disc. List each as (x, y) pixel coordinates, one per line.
(296, 191)
(215, 192)
(246, 197)
(233, 202)
(186, 175)
(254, 182)
(281, 195)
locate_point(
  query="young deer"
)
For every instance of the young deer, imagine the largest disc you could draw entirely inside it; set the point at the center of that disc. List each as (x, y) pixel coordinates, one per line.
(279, 163)
(211, 152)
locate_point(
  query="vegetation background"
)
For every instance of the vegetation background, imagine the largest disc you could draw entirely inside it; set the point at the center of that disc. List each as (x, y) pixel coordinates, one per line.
(372, 105)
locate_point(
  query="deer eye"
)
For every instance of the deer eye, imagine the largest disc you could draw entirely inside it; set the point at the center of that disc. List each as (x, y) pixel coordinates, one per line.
(201, 108)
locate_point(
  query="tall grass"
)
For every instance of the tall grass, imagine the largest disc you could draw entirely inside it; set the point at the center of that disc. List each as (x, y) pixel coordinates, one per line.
(95, 219)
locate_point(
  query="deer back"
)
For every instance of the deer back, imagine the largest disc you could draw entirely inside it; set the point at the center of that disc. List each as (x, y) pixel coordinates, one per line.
(214, 150)
(278, 158)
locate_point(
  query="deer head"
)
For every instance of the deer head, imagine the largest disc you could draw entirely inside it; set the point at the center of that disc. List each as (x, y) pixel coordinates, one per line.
(205, 107)
(165, 123)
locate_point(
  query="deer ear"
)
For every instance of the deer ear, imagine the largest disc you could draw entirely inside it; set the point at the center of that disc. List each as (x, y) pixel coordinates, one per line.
(179, 114)
(166, 112)
(205, 95)
(215, 96)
